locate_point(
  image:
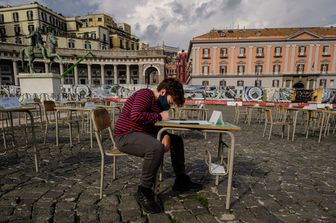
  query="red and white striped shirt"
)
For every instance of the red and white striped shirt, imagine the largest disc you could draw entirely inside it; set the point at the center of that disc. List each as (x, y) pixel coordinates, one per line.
(139, 114)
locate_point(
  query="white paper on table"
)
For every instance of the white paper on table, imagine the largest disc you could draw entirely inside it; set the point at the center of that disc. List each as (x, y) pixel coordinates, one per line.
(191, 122)
(216, 118)
(9, 103)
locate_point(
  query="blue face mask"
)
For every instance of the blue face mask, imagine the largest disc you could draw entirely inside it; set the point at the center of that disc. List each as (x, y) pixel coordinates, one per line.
(163, 103)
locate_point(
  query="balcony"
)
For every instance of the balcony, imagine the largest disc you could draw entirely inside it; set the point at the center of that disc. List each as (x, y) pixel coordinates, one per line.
(224, 56)
(241, 55)
(302, 54)
(277, 55)
(260, 55)
(325, 54)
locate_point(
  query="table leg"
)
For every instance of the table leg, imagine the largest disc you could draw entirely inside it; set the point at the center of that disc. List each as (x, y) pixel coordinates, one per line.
(321, 127)
(230, 170)
(33, 141)
(294, 124)
(90, 123)
(57, 128)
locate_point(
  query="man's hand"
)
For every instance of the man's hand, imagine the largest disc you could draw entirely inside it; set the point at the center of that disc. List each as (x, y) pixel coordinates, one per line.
(165, 115)
(166, 143)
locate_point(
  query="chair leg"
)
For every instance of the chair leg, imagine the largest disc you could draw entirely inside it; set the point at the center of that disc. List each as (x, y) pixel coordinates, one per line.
(70, 134)
(217, 180)
(45, 133)
(270, 132)
(78, 131)
(114, 166)
(265, 129)
(101, 177)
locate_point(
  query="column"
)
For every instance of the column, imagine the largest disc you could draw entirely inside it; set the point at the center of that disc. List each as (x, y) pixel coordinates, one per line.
(314, 84)
(89, 74)
(286, 59)
(128, 74)
(249, 69)
(46, 67)
(284, 83)
(102, 72)
(232, 59)
(194, 62)
(292, 59)
(268, 56)
(76, 75)
(316, 58)
(197, 61)
(214, 60)
(15, 71)
(333, 66)
(309, 68)
(61, 72)
(115, 72)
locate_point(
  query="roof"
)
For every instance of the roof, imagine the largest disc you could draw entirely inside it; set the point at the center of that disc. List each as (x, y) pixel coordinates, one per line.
(267, 33)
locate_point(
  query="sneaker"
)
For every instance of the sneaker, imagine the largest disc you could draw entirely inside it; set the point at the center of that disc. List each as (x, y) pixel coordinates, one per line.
(145, 197)
(184, 184)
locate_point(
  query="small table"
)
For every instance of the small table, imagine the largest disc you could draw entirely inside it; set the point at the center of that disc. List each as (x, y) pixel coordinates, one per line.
(226, 128)
(29, 111)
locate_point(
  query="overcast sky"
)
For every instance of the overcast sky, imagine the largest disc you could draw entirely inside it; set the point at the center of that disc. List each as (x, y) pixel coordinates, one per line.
(176, 21)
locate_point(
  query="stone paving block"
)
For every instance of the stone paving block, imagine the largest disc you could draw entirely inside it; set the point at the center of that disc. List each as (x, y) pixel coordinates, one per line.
(162, 218)
(183, 217)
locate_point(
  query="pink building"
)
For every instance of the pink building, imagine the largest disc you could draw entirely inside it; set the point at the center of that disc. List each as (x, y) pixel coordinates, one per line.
(270, 57)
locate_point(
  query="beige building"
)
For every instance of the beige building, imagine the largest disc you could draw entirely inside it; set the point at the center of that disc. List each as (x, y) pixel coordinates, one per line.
(271, 57)
(93, 31)
(118, 57)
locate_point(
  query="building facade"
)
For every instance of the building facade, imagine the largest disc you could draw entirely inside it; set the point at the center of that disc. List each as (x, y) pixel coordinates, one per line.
(93, 31)
(118, 57)
(271, 57)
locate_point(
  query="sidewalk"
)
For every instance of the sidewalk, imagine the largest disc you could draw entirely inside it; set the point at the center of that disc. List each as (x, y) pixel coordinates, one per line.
(274, 181)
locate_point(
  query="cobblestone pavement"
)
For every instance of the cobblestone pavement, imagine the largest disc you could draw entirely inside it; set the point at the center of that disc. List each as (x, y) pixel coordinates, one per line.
(274, 181)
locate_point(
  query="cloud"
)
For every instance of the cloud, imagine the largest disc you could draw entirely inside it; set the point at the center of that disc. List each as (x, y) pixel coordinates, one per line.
(176, 22)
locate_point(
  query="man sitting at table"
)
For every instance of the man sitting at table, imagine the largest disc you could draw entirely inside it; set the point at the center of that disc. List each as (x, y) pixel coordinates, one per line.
(135, 134)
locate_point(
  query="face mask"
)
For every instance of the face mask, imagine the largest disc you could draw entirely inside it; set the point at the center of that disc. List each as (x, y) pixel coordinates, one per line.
(163, 103)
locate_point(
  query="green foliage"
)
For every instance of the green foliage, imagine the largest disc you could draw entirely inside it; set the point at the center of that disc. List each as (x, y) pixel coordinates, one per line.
(203, 200)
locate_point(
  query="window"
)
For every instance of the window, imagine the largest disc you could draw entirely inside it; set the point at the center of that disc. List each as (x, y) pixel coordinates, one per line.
(276, 68)
(275, 83)
(2, 31)
(241, 52)
(205, 83)
(87, 45)
(99, 19)
(257, 83)
(93, 35)
(258, 69)
(30, 15)
(15, 16)
(241, 69)
(205, 69)
(331, 82)
(17, 30)
(260, 52)
(240, 83)
(90, 19)
(325, 50)
(2, 19)
(277, 51)
(300, 68)
(104, 38)
(323, 83)
(43, 16)
(222, 83)
(18, 41)
(206, 53)
(324, 68)
(223, 52)
(302, 51)
(121, 44)
(222, 69)
(71, 44)
(82, 81)
(31, 28)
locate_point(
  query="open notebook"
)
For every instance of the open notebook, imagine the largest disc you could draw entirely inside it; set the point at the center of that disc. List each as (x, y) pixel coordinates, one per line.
(215, 119)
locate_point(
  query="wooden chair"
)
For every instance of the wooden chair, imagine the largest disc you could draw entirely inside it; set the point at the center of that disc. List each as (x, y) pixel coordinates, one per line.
(50, 119)
(314, 121)
(269, 121)
(101, 121)
(240, 112)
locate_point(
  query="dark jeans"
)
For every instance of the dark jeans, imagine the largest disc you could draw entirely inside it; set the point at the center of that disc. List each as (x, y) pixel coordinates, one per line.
(144, 145)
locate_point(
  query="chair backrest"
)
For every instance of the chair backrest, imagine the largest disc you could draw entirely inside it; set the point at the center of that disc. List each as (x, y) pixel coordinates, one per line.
(268, 115)
(49, 106)
(101, 119)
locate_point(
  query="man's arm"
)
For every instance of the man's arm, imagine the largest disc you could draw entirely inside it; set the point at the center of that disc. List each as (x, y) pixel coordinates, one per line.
(141, 107)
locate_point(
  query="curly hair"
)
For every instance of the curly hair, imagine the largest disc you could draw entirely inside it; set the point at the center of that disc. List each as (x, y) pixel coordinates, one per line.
(173, 88)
